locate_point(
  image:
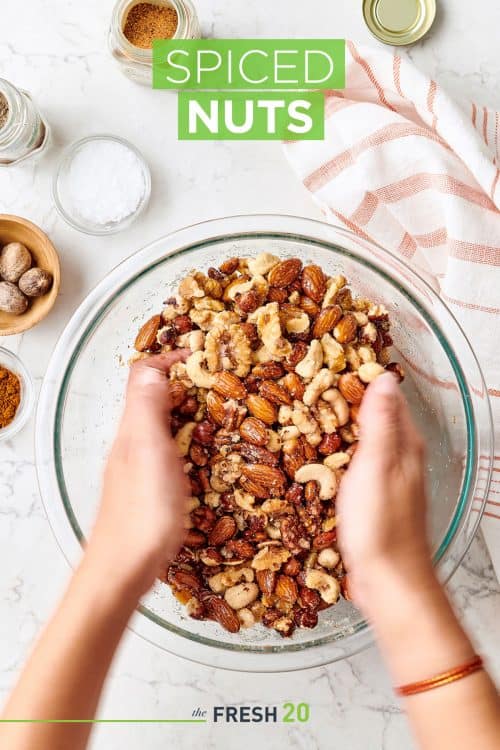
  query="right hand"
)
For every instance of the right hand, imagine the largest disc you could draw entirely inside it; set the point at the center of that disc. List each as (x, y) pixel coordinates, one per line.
(382, 499)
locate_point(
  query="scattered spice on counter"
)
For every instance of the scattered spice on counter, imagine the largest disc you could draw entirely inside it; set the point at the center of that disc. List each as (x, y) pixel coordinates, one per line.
(4, 110)
(10, 396)
(147, 21)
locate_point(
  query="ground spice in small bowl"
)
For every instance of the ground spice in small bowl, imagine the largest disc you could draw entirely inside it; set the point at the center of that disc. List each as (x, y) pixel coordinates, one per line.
(146, 22)
(4, 110)
(10, 396)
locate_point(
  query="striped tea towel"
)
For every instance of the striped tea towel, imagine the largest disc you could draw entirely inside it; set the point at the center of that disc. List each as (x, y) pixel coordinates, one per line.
(403, 165)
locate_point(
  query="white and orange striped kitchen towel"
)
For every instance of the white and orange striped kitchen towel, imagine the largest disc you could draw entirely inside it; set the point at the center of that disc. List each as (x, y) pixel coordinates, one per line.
(404, 165)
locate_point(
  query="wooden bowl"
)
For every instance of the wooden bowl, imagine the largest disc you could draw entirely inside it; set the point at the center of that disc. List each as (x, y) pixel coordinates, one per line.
(43, 252)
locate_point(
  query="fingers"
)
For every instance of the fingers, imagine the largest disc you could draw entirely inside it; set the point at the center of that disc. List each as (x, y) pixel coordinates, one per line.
(147, 383)
(380, 417)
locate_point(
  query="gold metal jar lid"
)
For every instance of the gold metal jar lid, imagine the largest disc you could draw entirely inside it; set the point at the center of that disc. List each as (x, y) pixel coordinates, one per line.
(399, 22)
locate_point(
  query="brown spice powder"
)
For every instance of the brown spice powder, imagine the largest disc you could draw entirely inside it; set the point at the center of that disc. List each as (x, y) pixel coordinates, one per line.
(4, 110)
(10, 396)
(146, 22)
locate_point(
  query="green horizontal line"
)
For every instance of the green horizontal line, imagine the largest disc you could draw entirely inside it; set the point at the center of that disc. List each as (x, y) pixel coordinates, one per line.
(103, 721)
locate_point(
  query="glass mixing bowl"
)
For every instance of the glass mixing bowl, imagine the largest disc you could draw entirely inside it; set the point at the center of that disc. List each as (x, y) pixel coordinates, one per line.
(82, 397)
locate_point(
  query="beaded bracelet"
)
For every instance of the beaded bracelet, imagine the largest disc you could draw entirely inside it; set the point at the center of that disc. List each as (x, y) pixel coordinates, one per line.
(442, 679)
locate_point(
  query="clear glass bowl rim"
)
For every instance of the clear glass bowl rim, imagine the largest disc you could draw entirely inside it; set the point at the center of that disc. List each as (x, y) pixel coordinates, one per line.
(85, 319)
(65, 159)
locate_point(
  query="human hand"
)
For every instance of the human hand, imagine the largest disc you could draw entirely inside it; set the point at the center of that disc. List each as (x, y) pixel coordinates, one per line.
(139, 526)
(382, 499)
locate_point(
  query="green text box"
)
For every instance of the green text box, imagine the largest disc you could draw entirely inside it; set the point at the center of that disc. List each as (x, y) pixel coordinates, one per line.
(258, 64)
(261, 116)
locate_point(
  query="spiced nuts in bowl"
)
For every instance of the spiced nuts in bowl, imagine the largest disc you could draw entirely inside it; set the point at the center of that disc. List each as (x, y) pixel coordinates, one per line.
(29, 275)
(265, 419)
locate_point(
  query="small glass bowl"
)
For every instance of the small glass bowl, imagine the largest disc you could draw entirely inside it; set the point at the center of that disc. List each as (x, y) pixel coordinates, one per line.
(61, 192)
(23, 413)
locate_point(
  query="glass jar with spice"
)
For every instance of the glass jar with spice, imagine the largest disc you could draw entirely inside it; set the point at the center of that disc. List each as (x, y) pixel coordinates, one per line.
(23, 131)
(134, 26)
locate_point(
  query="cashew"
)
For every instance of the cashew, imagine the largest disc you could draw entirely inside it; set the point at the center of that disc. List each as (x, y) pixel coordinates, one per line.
(289, 432)
(328, 558)
(241, 595)
(262, 264)
(337, 460)
(285, 415)
(319, 473)
(270, 558)
(311, 364)
(320, 383)
(327, 586)
(197, 372)
(361, 318)
(269, 328)
(193, 340)
(333, 353)
(334, 285)
(183, 438)
(369, 371)
(246, 618)
(339, 405)
(230, 577)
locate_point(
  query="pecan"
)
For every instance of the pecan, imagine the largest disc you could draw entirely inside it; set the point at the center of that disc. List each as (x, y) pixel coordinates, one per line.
(255, 454)
(298, 353)
(204, 479)
(269, 370)
(238, 549)
(182, 324)
(270, 616)
(293, 458)
(189, 407)
(277, 295)
(292, 567)
(325, 539)
(305, 618)
(198, 454)
(249, 301)
(330, 444)
(211, 557)
(224, 529)
(204, 433)
(274, 393)
(250, 331)
(214, 273)
(203, 518)
(195, 539)
(294, 494)
(178, 394)
(294, 535)
(254, 431)
(309, 598)
(252, 383)
(183, 579)
(167, 335)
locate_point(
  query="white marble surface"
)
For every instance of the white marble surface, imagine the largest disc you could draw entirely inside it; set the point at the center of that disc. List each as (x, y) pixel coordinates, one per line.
(56, 49)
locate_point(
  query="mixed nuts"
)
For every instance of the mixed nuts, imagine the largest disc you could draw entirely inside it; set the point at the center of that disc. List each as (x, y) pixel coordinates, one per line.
(265, 419)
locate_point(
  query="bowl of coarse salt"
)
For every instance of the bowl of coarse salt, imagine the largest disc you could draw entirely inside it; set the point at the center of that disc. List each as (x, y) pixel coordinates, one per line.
(102, 184)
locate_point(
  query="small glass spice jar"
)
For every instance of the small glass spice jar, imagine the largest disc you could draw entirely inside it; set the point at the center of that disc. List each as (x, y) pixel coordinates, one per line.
(24, 133)
(136, 62)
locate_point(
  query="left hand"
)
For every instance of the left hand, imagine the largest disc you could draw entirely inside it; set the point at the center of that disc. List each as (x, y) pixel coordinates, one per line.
(139, 526)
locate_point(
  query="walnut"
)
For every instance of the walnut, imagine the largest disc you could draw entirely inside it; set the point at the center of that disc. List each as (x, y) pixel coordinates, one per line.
(311, 364)
(305, 422)
(269, 328)
(262, 264)
(270, 558)
(228, 350)
(333, 353)
(189, 288)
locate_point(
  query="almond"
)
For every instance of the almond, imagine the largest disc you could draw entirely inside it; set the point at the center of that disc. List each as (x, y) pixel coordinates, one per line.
(219, 610)
(195, 539)
(268, 370)
(229, 266)
(238, 549)
(224, 529)
(178, 394)
(309, 306)
(294, 385)
(275, 393)
(254, 431)
(262, 409)
(313, 283)
(325, 539)
(285, 273)
(183, 579)
(327, 320)
(266, 580)
(286, 589)
(346, 329)
(269, 480)
(215, 408)
(229, 385)
(351, 388)
(147, 335)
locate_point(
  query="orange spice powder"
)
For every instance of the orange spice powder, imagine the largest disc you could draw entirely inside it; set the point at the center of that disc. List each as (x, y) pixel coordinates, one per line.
(10, 396)
(146, 22)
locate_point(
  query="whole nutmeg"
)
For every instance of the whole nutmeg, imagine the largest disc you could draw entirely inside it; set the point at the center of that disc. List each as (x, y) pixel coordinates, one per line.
(15, 259)
(11, 299)
(35, 282)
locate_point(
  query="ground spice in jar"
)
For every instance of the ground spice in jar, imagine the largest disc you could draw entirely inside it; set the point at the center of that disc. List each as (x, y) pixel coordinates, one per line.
(146, 22)
(10, 396)
(4, 110)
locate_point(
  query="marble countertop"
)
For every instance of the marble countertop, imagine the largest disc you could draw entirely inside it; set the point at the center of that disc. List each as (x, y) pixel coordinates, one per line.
(56, 49)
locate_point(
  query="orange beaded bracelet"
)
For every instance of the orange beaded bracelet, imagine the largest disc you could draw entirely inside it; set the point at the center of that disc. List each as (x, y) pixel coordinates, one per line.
(442, 679)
